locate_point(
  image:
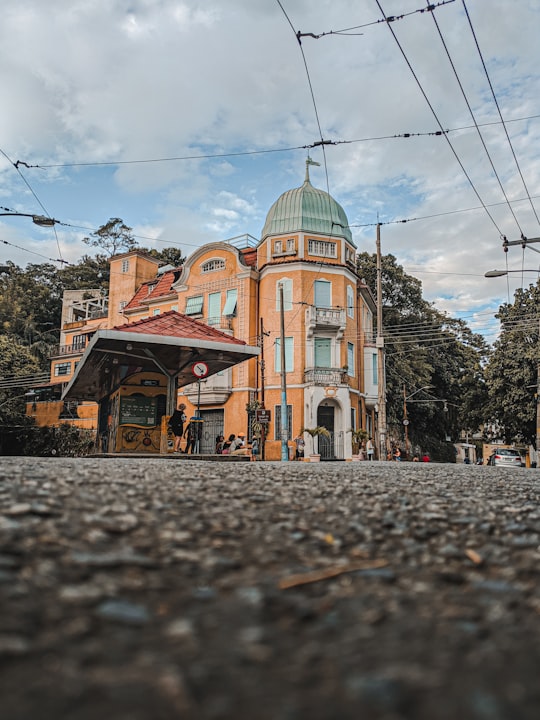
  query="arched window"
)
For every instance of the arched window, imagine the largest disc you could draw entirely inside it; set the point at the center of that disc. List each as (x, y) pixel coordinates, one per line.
(213, 264)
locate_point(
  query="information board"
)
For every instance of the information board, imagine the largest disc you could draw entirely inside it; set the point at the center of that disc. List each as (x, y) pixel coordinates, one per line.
(138, 411)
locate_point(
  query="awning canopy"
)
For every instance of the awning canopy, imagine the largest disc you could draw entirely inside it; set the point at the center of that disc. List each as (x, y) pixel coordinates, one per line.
(113, 355)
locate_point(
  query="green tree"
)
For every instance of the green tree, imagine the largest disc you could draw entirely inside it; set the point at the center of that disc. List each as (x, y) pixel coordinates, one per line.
(512, 371)
(112, 238)
(16, 361)
(424, 347)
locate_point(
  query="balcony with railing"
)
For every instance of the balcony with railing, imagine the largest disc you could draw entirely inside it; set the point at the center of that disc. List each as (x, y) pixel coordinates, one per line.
(325, 376)
(325, 318)
(73, 349)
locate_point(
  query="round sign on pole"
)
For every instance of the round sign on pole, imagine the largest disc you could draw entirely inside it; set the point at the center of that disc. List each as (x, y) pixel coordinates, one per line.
(405, 422)
(199, 369)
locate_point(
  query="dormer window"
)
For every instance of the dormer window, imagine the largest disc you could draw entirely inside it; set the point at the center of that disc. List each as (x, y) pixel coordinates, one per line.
(278, 247)
(213, 264)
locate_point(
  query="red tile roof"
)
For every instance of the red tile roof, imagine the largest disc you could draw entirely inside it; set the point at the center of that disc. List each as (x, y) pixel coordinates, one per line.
(153, 290)
(250, 256)
(174, 324)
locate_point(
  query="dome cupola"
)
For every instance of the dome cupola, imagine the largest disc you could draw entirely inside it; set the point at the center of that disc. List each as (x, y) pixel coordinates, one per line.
(307, 209)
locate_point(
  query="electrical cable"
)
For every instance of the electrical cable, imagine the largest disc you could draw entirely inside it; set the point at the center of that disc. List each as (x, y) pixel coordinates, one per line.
(471, 111)
(454, 152)
(499, 110)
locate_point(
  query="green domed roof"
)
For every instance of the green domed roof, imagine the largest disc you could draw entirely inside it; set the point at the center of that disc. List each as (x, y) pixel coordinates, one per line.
(307, 209)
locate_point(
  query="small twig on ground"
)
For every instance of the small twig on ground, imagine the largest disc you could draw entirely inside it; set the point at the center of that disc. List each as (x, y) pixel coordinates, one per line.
(327, 573)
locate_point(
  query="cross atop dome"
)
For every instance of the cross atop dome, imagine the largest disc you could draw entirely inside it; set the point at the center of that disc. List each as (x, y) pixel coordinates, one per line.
(309, 162)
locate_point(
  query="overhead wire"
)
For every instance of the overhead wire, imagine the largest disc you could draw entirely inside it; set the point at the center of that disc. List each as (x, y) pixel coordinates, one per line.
(471, 111)
(435, 115)
(35, 197)
(499, 109)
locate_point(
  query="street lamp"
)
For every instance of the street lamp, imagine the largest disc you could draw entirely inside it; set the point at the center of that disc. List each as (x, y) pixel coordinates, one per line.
(41, 220)
(500, 273)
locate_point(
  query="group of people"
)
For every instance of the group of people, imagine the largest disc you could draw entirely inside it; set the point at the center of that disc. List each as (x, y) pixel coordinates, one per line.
(192, 433)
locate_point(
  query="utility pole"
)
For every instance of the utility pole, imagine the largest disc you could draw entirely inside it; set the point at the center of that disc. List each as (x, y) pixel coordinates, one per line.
(381, 374)
(263, 425)
(405, 421)
(284, 419)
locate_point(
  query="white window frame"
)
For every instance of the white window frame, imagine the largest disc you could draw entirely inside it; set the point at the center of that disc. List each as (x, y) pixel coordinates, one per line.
(289, 355)
(322, 248)
(350, 359)
(287, 294)
(319, 284)
(213, 265)
(213, 300)
(121, 305)
(61, 369)
(229, 309)
(350, 301)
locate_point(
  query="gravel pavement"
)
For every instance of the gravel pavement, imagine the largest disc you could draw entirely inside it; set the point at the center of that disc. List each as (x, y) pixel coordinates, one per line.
(149, 589)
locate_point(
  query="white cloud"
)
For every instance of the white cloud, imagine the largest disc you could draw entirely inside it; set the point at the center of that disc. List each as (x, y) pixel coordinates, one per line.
(87, 82)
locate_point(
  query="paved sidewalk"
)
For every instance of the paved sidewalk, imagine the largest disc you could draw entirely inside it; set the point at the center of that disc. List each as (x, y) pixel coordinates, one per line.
(137, 589)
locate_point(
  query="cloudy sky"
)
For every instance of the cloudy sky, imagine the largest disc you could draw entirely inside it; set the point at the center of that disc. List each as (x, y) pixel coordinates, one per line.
(187, 119)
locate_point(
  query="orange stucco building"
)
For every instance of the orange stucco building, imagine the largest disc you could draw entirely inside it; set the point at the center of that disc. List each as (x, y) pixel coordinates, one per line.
(307, 257)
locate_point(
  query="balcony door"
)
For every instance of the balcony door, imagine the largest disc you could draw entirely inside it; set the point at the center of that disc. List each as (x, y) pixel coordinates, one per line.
(323, 353)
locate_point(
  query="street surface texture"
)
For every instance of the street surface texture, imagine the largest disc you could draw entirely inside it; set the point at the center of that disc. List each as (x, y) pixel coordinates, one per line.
(148, 589)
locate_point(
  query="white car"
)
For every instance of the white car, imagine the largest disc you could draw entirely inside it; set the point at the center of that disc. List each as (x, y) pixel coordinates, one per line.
(504, 457)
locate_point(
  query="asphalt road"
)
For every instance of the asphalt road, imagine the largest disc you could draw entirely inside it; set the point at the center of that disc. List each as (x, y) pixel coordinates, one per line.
(149, 589)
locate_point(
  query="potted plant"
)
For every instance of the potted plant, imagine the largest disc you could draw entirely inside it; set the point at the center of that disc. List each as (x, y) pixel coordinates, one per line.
(358, 437)
(315, 432)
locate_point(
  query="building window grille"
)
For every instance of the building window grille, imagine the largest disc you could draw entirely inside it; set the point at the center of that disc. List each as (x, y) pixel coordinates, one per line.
(125, 266)
(277, 423)
(212, 265)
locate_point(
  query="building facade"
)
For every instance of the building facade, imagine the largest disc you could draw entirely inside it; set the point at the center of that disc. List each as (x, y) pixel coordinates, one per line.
(295, 293)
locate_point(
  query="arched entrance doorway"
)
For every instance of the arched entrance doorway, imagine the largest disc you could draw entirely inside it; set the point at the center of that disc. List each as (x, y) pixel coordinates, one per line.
(330, 448)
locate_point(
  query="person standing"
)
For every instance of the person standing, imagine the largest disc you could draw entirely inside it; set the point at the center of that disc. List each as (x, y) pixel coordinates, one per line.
(370, 449)
(193, 434)
(176, 423)
(299, 447)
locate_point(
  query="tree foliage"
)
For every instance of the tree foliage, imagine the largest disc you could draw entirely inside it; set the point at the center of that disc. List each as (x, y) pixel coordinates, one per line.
(512, 370)
(434, 360)
(112, 238)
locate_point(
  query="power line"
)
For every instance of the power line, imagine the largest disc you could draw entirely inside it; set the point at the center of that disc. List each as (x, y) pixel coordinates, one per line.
(454, 152)
(475, 122)
(499, 110)
(266, 151)
(389, 19)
